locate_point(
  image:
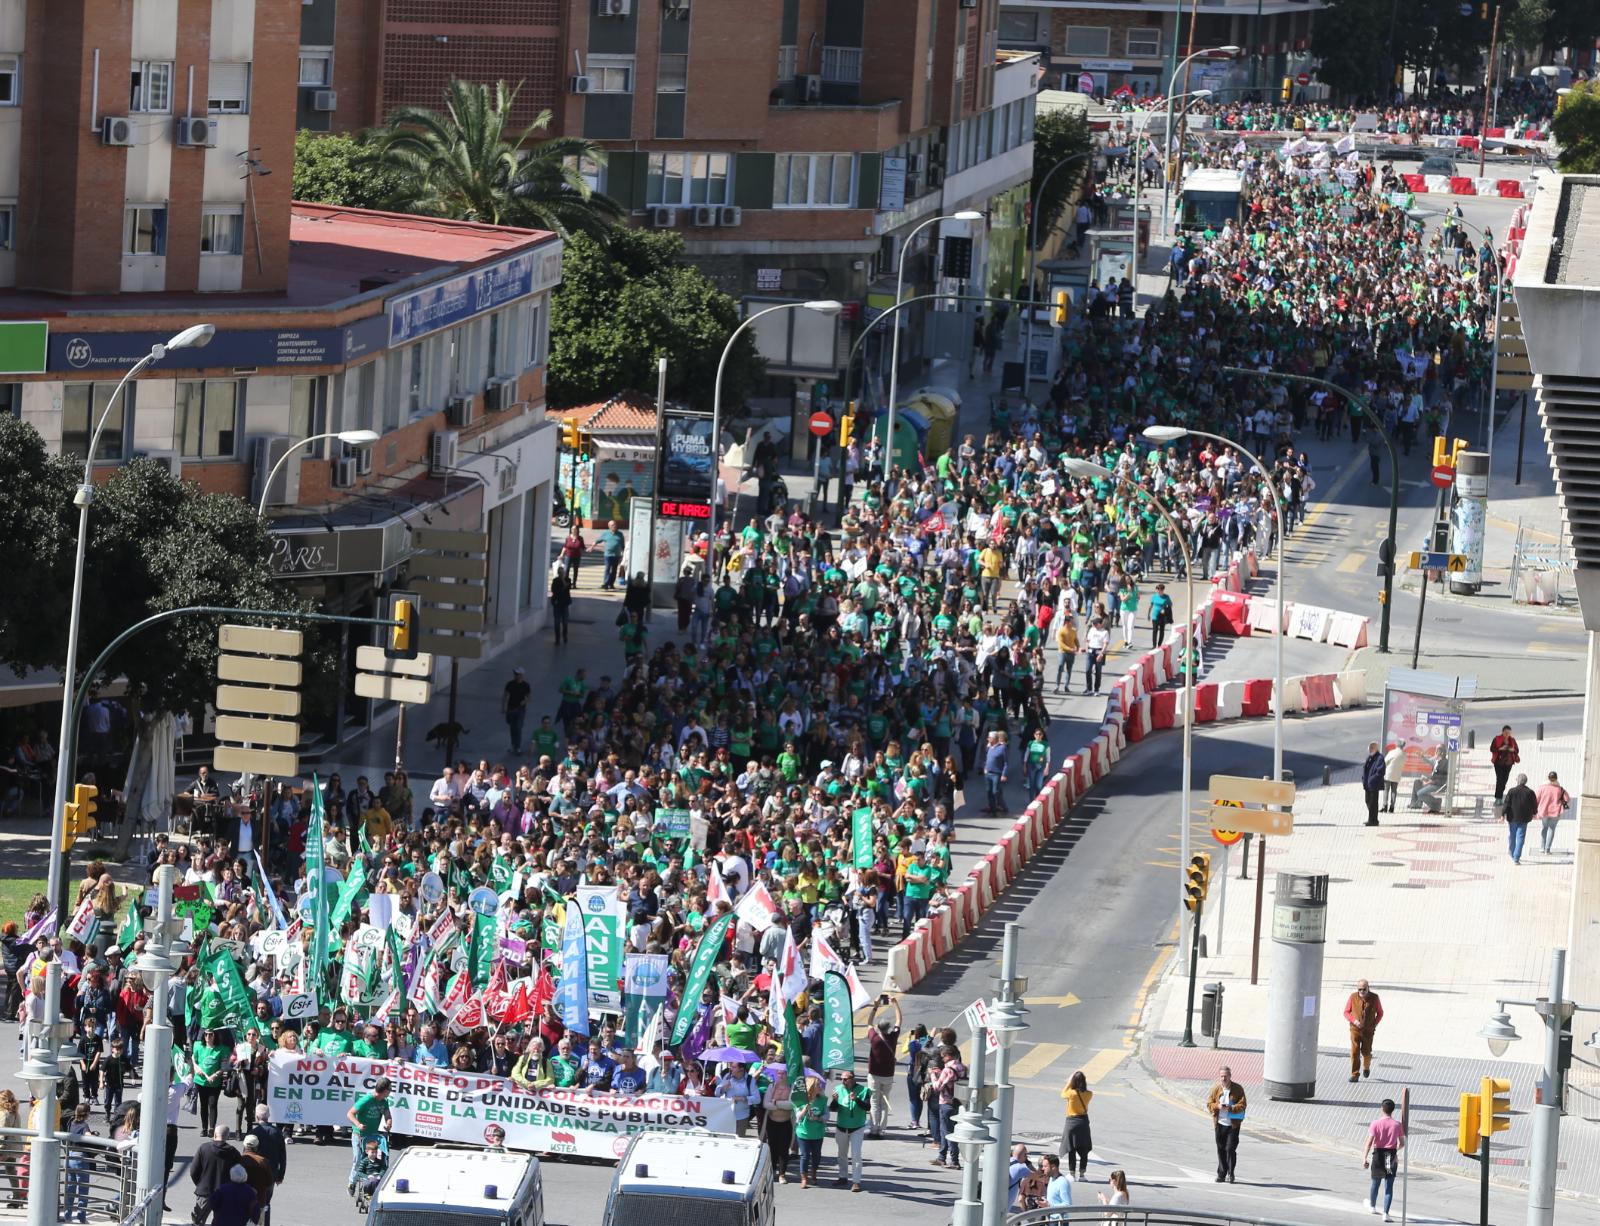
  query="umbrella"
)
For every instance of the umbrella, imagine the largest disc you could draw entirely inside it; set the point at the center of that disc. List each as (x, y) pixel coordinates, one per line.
(772, 1070)
(729, 1054)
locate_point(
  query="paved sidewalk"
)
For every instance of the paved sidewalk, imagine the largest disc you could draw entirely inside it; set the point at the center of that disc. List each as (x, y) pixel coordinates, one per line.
(1469, 928)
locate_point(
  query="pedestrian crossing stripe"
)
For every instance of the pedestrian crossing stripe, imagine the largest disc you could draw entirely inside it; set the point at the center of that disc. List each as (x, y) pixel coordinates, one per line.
(1039, 1059)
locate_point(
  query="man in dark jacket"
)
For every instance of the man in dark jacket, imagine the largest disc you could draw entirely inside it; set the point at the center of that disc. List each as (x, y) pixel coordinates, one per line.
(1520, 807)
(209, 1171)
(1372, 781)
(234, 1202)
(270, 1143)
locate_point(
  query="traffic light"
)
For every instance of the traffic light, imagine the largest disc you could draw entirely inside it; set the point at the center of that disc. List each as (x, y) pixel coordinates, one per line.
(1467, 1126)
(570, 439)
(1455, 452)
(1494, 1106)
(1063, 308)
(1385, 558)
(847, 426)
(402, 638)
(79, 812)
(1441, 453)
(1286, 91)
(1197, 879)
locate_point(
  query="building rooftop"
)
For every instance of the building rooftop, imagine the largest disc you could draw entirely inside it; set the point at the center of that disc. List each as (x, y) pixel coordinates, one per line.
(626, 411)
(335, 255)
(1575, 251)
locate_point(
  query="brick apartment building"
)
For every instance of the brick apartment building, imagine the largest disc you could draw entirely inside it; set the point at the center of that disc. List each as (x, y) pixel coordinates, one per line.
(794, 143)
(1130, 42)
(145, 156)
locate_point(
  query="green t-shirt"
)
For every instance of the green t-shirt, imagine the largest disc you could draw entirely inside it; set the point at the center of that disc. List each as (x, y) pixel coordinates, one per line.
(563, 1071)
(208, 1062)
(918, 883)
(545, 741)
(851, 1106)
(370, 1110)
(370, 1051)
(811, 1118)
(333, 1042)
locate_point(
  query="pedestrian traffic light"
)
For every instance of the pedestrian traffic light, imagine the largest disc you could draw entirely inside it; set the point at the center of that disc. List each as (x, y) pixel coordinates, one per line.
(1494, 1106)
(1063, 308)
(403, 637)
(1197, 880)
(79, 814)
(1467, 1126)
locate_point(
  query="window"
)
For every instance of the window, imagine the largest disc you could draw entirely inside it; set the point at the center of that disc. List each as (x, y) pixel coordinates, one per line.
(493, 324)
(10, 80)
(961, 64)
(538, 336)
(150, 87)
(144, 230)
(207, 417)
(813, 180)
(1018, 27)
(787, 56)
(687, 178)
(611, 74)
(82, 405)
(307, 404)
(672, 74)
(1145, 40)
(10, 400)
(590, 169)
(316, 66)
(8, 227)
(228, 89)
(1088, 40)
(416, 363)
(841, 64)
(222, 230)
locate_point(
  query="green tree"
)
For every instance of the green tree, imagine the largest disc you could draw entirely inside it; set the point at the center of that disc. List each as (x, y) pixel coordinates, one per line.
(465, 163)
(1056, 135)
(1524, 25)
(1350, 38)
(34, 545)
(620, 306)
(334, 169)
(1577, 130)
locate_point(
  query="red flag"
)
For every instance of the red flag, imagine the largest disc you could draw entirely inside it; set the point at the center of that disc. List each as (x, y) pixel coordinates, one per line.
(496, 994)
(544, 991)
(520, 1009)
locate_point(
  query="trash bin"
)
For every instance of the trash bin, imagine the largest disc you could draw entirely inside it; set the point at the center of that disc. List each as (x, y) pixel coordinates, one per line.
(1211, 1010)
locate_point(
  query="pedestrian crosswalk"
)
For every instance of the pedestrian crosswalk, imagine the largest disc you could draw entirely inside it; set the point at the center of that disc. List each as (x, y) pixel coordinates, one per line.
(1043, 1061)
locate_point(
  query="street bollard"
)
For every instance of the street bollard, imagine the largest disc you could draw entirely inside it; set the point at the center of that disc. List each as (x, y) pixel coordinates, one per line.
(1472, 738)
(1540, 734)
(1327, 774)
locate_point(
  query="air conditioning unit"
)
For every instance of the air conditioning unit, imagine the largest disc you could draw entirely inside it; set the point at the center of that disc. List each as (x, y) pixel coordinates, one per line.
(344, 474)
(663, 217)
(936, 155)
(729, 215)
(580, 85)
(458, 411)
(936, 176)
(500, 395)
(116, 130)
(361, 455)
(613, 8)
(265, 452)
(325, 100)
(705, 215)
(169, 460)
(442, 451)
(914, 164)
(809, 87)
(195, 132)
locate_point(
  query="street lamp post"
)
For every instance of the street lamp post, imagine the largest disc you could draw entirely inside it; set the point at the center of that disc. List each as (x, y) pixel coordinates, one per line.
(1033, 258)
(1387, 600)
(825, 306)
(42, 1073)
(1166, 434)
(1556, 1011)
(1166, 134)
(972, 1137)
(156, 968)
(192, 337)
(355, 438)
(1087, 468)
(1006, 1022)
(894, 345)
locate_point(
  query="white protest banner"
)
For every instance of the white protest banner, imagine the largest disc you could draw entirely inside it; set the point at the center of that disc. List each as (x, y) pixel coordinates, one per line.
(443, 1105)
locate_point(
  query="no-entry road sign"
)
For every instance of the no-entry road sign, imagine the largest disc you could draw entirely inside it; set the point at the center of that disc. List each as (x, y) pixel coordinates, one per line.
(821, 423)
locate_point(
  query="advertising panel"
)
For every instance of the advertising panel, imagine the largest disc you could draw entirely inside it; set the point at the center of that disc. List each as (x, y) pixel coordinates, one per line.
(686, 454)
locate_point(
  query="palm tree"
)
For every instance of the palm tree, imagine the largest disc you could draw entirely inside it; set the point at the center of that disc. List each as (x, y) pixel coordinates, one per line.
(463, 163)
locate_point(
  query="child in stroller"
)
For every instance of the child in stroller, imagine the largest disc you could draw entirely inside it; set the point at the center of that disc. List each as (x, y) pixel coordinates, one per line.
(369, 1170)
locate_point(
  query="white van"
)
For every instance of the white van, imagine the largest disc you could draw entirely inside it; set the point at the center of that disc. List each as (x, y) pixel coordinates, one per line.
(692, 1179)
(439, 1186)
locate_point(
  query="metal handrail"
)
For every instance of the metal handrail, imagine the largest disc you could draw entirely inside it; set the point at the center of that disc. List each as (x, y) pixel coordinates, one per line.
(1138, 1215)
(96, 1176)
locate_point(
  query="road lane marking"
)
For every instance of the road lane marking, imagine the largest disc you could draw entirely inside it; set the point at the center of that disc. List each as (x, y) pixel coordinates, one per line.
(1350, 565)
(1099, 1066)
(1150, 977)
(1039, 1057)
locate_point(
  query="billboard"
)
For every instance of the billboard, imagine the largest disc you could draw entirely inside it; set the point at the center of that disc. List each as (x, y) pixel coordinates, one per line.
(686, 458)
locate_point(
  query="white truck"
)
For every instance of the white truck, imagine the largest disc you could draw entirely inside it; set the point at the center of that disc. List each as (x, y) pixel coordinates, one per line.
(441, 1186)
(692, 1179)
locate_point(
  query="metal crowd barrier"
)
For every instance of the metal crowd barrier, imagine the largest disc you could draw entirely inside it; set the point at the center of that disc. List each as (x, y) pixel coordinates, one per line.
(1135, 1215)
(98, 1178)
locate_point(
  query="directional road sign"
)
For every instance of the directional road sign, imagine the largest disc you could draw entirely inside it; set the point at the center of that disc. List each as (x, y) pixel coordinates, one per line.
(1455, 563)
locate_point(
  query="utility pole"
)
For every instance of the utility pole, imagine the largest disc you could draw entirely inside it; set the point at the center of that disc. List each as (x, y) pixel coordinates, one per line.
(1005, 1017)
(1488, 89)
(155, 967)
(43, 1074)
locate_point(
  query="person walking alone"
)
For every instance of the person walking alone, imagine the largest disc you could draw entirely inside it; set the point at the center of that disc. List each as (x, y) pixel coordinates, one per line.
(1372, 781)
(1226, 1103)
(1096, 642)
(883, 1038)
(1520, 806)
(1381, 1157)
(1503, 755)
(1066, 652)
(514, 706)
(1075, 1139)
(1394, 769)
(1363, 1011)
(560, 606)
(1552, 801)
(1160, 614)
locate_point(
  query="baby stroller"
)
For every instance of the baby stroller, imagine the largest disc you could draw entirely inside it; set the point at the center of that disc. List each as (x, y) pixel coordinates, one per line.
(364, 1179)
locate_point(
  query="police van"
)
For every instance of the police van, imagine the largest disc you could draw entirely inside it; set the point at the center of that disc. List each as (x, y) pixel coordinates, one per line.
(692, 1179)
(441, 1186)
